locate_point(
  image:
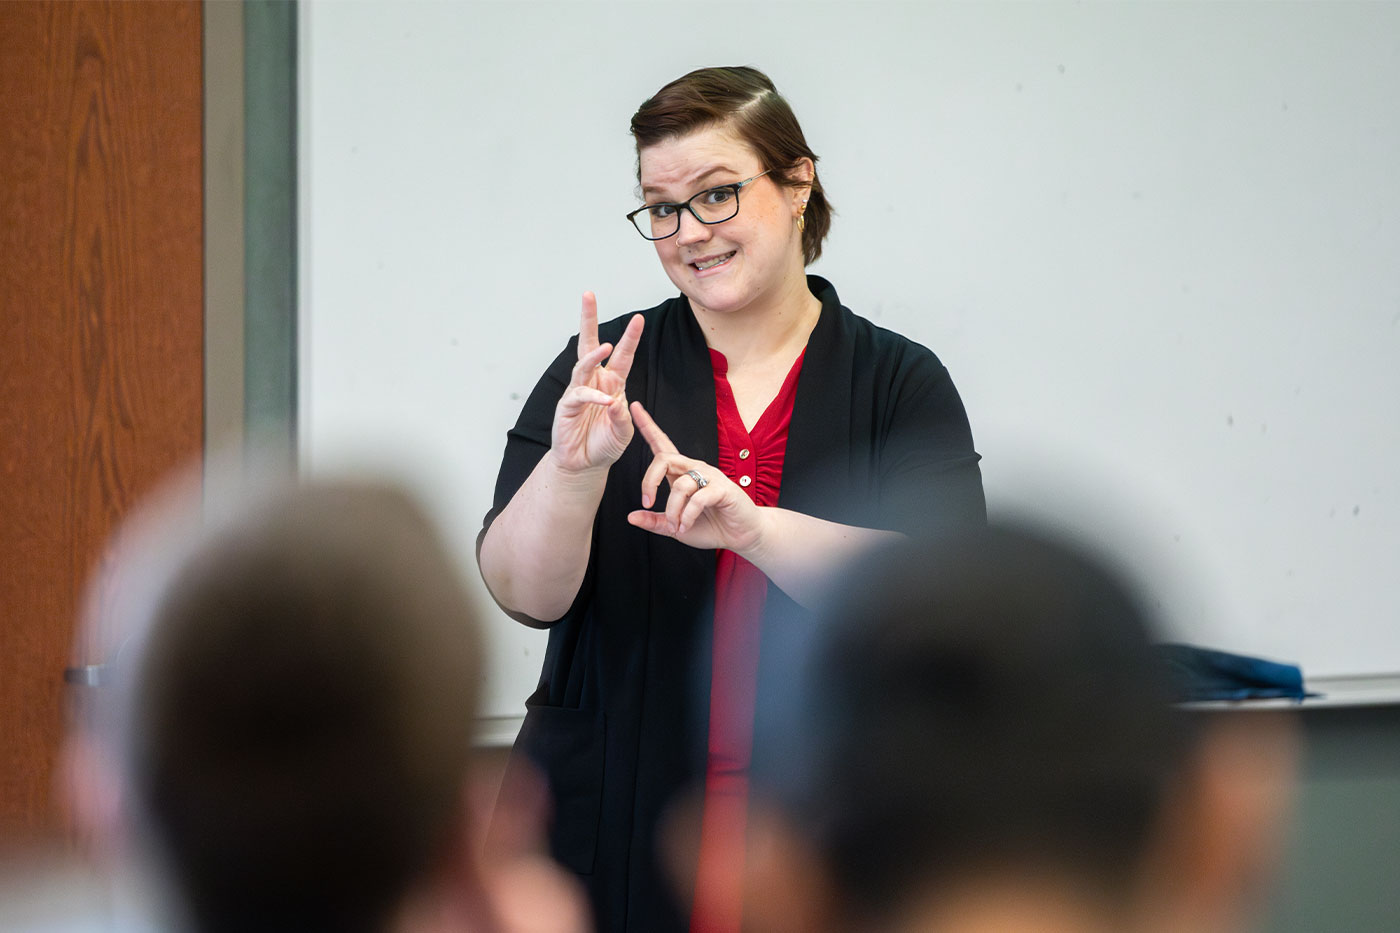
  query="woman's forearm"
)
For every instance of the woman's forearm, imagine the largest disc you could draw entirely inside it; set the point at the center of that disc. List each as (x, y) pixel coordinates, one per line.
(800, 554)
(534, 555)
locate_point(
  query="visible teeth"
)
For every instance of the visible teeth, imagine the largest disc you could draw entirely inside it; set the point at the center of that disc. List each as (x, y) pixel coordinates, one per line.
(711, 263)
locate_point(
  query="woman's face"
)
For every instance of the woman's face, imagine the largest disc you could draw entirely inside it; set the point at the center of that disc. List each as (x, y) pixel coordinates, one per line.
(759, 251)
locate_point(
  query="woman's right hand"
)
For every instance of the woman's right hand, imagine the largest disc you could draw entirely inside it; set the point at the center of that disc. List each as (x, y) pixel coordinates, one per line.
(592, 426)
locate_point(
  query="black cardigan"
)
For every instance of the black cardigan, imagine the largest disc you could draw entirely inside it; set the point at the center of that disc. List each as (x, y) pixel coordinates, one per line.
(618, 724)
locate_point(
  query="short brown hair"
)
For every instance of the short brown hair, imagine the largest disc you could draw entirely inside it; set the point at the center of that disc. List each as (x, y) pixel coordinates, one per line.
(986, 702)
(745, 99)
(303, 711)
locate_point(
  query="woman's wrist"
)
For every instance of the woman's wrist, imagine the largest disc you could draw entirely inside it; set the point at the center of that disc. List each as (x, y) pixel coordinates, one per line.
(568, 477)
(760, 549)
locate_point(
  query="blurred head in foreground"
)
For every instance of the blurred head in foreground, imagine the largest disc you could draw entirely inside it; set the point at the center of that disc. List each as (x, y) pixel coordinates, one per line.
(977, 736)
(290, 718)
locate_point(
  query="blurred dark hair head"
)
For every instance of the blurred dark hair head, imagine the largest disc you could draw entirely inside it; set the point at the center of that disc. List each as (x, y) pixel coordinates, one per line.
(302, 711)
(986, 701)
(743, 100)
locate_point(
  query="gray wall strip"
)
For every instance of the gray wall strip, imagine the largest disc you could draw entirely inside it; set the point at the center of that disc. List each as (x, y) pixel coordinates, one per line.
(223, 230)
(270, 219)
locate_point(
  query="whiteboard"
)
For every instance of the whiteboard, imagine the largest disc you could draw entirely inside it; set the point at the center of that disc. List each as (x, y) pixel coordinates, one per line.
(1157, 246)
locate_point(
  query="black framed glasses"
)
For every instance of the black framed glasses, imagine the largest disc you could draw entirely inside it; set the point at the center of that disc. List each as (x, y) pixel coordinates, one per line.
(711, 206)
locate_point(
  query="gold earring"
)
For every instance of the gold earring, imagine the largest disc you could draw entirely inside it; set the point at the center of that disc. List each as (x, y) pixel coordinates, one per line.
(802, 217)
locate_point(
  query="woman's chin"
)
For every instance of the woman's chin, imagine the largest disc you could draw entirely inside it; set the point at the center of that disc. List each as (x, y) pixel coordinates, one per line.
(713, 303)
(720, 297)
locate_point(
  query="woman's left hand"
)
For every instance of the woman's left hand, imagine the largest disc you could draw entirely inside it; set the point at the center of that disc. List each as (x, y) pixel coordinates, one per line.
(716, 515)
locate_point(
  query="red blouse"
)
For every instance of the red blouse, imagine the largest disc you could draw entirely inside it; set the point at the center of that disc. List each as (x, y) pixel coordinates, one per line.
(754, 460)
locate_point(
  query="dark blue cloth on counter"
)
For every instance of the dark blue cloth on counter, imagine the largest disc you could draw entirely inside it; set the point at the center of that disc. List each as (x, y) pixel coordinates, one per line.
(1206, 674)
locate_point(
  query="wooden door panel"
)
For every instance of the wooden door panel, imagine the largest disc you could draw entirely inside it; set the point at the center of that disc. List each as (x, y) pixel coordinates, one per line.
(101, 328)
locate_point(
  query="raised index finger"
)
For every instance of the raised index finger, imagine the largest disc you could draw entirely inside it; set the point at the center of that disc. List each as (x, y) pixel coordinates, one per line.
(588, 325)
(651, 431)
(621, 360)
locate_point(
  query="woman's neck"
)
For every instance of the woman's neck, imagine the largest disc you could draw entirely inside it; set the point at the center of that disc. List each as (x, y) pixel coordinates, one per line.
(776, 327)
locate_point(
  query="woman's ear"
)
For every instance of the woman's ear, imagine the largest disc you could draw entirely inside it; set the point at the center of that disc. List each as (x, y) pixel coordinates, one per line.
(801, 176)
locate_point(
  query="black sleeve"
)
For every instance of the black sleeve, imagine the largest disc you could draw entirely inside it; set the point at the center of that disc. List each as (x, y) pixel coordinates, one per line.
(930, 480)
(527, 443)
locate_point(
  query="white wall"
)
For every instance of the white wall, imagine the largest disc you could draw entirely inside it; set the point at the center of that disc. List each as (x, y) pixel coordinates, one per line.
(1157, 245)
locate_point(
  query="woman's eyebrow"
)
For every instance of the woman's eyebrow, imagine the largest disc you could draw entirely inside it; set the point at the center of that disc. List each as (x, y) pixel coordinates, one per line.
(649, 192)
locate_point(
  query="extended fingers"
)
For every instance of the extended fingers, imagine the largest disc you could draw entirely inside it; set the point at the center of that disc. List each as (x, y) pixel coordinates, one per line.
(651, 431)
(695, 507)
(621, 360)
(654, 522)
(693, 496)
(651, 479)
(686, 504)
(587, 363)
(683, 491)
(670, 467)
(577, 397)
(588, 326)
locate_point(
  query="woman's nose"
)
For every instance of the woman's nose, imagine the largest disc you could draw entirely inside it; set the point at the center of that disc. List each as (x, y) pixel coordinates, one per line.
(691, 229)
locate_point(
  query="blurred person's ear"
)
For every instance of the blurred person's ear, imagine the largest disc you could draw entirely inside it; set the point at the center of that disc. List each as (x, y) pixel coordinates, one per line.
(89, 787)
(119, 600)
(509, 801)
(1224, 825)
(678, 843)
(504, 828)
(786, 886)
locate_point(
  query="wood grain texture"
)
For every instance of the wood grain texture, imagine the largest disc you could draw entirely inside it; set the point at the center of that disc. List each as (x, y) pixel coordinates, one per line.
(101, 329)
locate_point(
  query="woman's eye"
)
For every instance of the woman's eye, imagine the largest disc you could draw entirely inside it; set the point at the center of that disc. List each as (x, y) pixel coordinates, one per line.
(661, 211)
(716, 196)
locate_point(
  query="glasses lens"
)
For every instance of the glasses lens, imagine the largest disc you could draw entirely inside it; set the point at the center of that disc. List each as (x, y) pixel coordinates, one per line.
(657, 222)
(717, 204)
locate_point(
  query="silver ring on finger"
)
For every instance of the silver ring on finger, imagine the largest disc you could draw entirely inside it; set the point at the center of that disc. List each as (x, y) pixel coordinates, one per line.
(700, 481)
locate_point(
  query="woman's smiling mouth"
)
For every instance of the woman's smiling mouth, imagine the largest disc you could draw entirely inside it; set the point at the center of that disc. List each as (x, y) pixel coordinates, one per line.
(714, 261)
